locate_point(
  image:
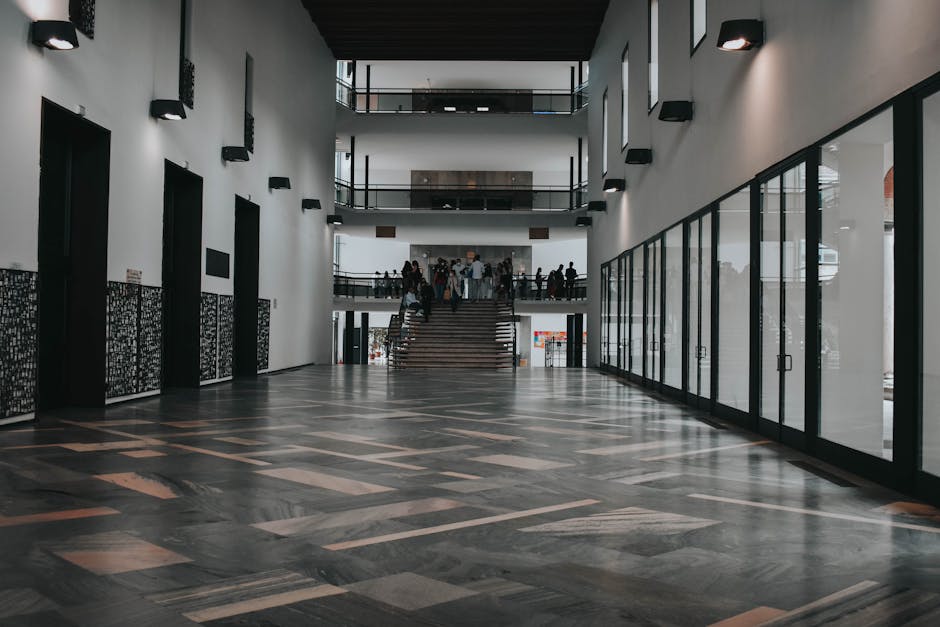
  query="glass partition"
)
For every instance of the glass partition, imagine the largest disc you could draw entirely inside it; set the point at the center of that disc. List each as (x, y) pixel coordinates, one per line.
(700, 288)
(636, 313)
(613, 298)
(623, 330)
(673, 310)
(653, 309)
(856, 280)
(931, 295)
(605, 314)
(734, 297)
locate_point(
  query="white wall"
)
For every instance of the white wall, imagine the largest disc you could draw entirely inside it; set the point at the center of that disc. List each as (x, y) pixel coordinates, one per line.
(132, 60)
(823, 65)
(360, 255)
(467, 74)
(551, 253)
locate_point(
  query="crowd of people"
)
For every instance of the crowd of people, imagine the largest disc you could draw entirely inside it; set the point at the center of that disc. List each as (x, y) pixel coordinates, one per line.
(452, 281)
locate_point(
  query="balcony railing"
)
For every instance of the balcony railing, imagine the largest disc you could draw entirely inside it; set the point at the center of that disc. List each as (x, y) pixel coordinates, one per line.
(462, 198)
(365, 286)
(462, 101)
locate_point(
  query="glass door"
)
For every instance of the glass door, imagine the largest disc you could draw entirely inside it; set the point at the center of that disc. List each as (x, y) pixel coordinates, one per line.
(636, 311)
(623, 355)
(700, 288)
(653, 310)
(605, 315)
(783, 298)
(613, 301)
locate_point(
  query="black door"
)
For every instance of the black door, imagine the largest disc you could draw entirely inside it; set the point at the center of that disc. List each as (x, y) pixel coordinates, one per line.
(73, 259)
(182, 275)
(247, 216)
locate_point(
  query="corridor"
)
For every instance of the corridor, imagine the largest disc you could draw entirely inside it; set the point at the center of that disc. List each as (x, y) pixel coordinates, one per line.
(353, 495)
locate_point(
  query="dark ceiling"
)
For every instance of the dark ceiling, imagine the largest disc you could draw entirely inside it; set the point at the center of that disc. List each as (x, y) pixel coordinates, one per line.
(464, 30)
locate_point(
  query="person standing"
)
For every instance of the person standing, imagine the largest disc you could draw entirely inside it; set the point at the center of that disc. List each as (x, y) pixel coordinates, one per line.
(571, 276)
(454, 285)
(476, 278)
(396, 283)
(427, 299)
(406, 276)
(440, 281)
(377, 291)
(538, 284)
(460, 269)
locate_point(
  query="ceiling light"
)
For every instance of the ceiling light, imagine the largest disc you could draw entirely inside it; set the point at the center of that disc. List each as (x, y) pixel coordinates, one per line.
(614, 185)
(584, 221)
(740, 34)
(639, 156)
(167, 110)
(55, 35)
(450, 109)
(676, 111)
(278, 182)
(235, 153)
(483, 109)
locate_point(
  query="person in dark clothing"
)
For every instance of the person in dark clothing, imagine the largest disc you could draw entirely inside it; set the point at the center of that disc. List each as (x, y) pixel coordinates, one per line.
(571, 276)
(406, 276)
(560, 281)
(538, 284)
(427, 299)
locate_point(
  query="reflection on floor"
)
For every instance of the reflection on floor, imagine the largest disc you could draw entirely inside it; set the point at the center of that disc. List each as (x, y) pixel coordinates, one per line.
(356, 496)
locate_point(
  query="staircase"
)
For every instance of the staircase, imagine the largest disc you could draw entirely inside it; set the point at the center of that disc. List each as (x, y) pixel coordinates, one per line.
(477, 335)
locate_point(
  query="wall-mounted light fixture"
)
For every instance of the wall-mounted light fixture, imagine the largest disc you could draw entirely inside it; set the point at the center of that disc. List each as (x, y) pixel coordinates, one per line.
(676, 111)
(639, 156)
(597, 205)
(310, 203)
(584, 221)
(235, 153)
(614, 185)
(278, 182)
(54, 34)
(740, 35)
(167, 110)
(334, 218)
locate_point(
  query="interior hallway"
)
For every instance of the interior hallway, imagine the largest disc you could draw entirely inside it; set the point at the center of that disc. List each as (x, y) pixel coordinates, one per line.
(356, 496)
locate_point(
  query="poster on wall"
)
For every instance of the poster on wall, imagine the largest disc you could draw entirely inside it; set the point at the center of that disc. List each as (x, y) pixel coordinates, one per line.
(540, 337)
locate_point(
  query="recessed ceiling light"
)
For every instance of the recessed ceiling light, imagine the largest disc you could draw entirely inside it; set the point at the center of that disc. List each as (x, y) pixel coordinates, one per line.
(451, 109)
(483, 109)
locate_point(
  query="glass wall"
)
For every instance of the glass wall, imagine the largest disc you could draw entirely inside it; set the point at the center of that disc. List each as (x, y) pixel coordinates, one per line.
(856, 281)
(636, 313)
(612, 299)
(623, 329)
(700, 288)
(605, 314)
(931, 234)
(653, 309)
(673, 311)
(624, 97)
(734, 297)
(653, 39)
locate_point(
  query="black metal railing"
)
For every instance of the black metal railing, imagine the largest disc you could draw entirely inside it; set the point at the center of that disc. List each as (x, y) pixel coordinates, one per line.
(462, 101)
(461, 198)
(524, 288)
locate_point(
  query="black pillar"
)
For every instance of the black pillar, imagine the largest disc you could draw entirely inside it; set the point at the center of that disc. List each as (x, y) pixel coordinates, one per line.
(578, 340)
(365, 201)
(571, 184)
(364, 338)
(569, 343)
(349, 338)
(368, 87)
(352, 171)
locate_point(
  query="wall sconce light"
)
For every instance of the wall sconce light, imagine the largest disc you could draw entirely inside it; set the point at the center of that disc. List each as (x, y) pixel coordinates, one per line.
(584, 221)
(740, 35)
(639, 156)
(278, 182)
(54, 34)
(235, 153)
(334, 218)
(676, 111)
(597, 205)
(167, 110)
(614, 185)
(309, 203)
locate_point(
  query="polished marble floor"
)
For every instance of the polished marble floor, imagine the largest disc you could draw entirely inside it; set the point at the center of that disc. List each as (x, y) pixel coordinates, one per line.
(355, 496)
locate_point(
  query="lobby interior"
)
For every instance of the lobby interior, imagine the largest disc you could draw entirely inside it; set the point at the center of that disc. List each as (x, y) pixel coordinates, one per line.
(191, 431)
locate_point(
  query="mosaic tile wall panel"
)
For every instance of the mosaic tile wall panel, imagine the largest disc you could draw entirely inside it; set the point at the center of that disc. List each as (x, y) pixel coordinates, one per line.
(209, 337)
(264, 333)
(19, 309)
(150, 339)
(123, 305)
(226, 334)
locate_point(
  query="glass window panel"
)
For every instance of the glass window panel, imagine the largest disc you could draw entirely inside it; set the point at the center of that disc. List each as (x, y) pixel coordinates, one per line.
(653, 53)
(612, 299)
(624, 98)
(623, 329)
(653, 306)
(605, 314)
(770, 300)
(700, 259)
(705, 292)
(856, 279)
(699, 8)
(636, 314)
(794, 280)
(694, 301)
(606, 126)
(734, 297)
(931, 296)
(673, 314)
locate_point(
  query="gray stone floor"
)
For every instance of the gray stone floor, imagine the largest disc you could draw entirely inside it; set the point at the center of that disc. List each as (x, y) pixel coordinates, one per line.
(355, 496)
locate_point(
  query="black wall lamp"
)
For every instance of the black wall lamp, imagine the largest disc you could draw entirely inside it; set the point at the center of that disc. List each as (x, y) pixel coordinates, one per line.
(235, 153)
(54, 34)
(583, 221)
(334, 218)
(614, 185)
(738, 35)
(639, 156)
(278, 182)
(676, 111)
(309, 203)
(597, 205)
(167, 110)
